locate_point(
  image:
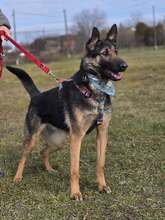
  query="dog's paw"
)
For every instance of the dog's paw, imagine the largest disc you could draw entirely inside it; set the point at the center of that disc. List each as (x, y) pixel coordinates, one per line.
(105, 189)
(77, 196)
(17, 179)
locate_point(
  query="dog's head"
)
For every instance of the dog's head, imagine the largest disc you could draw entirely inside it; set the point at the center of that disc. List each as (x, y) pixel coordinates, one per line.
(102, 56)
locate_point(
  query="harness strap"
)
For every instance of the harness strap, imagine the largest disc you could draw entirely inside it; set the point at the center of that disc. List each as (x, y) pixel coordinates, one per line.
(84, 91)
(101, 110)
(88, 94)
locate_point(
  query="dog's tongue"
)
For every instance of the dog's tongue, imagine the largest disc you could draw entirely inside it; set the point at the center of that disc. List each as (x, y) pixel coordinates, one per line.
(117, 75)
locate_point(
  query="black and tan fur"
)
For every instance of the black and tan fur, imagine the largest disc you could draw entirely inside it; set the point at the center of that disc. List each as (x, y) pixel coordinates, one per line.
(62, 112)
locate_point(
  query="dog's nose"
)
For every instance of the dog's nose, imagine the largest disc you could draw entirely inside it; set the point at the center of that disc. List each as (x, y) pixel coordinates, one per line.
(123, 67)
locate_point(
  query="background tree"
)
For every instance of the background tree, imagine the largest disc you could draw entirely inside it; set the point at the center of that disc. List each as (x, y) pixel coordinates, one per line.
(144, 34)
(140, 33)
(160, 33)
(126, 37)
(84, 22)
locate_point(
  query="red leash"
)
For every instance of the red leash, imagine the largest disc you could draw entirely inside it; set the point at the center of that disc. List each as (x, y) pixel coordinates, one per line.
(29, 55)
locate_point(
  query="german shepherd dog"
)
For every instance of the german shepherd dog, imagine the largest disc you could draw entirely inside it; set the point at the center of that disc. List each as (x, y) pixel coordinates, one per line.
(67, 110)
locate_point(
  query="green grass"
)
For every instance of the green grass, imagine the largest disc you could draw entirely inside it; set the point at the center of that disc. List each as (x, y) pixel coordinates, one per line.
(135, 154)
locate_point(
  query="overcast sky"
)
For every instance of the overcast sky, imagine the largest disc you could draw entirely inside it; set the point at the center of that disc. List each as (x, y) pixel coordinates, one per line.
(48, 14)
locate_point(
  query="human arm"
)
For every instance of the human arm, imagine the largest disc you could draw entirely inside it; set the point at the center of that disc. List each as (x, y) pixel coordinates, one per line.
(4, 21)
(4, 24)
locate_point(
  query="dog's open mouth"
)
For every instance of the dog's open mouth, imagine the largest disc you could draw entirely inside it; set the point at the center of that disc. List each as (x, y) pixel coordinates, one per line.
(116, 76)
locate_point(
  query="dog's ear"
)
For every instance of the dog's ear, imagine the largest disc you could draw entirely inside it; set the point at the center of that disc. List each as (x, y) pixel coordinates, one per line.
(112, 34)
(95, 36)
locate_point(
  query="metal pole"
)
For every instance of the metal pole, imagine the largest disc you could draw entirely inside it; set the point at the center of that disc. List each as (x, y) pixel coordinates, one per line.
(154, 27)
(14, 25)
(65, 22)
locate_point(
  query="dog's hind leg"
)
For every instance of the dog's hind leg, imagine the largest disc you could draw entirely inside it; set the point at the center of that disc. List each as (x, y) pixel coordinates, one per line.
(45, 156)
(28, 145)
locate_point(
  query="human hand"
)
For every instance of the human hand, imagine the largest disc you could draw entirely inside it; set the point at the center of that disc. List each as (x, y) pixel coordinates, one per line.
(6, 30)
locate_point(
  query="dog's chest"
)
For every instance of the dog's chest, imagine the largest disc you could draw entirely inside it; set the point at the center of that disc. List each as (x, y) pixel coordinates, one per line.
(87, 120)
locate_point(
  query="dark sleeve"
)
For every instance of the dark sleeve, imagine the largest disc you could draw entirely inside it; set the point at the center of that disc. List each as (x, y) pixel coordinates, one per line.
(3, 20)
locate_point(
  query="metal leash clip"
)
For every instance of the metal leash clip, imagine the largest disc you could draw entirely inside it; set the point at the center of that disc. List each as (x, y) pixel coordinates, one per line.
(51, 74)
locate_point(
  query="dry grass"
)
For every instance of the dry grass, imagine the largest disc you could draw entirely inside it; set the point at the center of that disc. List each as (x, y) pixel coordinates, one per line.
(135, 155)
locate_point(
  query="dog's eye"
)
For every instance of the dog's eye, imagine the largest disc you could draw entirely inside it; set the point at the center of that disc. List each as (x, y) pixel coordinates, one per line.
(105, 52)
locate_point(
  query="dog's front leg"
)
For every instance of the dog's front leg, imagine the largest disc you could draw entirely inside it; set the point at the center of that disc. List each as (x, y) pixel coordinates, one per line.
(75, 142)
(102, 137)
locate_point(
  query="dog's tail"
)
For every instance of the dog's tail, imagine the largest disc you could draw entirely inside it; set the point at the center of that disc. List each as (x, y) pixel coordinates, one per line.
(25, 79)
